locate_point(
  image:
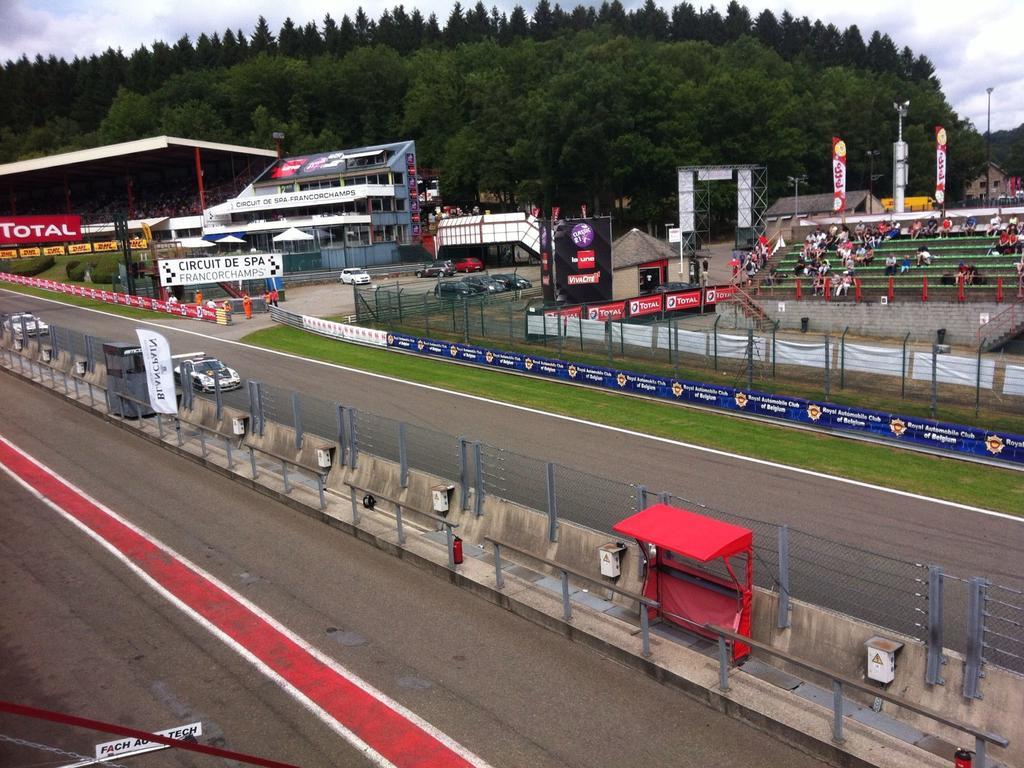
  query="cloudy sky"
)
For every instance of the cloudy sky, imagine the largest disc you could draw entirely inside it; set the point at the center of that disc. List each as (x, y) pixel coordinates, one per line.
(969, 42)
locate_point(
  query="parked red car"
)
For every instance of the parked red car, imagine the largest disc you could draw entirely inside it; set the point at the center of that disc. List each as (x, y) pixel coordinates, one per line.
(469, 264)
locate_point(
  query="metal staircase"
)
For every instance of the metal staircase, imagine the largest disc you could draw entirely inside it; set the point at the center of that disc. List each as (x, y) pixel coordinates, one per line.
(1004, 327)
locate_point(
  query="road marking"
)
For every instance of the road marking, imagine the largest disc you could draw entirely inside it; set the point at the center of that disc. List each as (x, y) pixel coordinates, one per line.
(571, 419)
(384, 731)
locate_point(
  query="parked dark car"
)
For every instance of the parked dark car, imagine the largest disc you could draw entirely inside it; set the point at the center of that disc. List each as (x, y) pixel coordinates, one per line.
(469, 264)
(436, 269)
(453, 289)
(484, 284)
(512, 282)
(673, 287)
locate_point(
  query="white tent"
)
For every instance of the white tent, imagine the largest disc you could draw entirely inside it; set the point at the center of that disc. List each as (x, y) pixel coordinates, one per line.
(189, 243)
(292, 235)
(230, 239)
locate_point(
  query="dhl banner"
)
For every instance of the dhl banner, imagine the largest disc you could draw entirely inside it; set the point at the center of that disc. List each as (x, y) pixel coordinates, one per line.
(76, 248)
(53, 250)
(940, 164)
(138, 244)
(193, 311)
(24, 253)
(838, 174)
(8, 253)
(105, 245)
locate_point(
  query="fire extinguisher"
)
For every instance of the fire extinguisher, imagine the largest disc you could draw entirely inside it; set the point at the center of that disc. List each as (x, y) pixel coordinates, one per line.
(963, 758)
(457, 553)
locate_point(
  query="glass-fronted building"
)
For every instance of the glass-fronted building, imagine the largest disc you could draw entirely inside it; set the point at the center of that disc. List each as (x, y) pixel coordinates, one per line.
(354, 207)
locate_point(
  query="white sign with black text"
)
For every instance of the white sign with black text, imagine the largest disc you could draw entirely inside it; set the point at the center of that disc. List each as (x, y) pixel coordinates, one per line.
(156, 355)
(132, 745)
(198, 270)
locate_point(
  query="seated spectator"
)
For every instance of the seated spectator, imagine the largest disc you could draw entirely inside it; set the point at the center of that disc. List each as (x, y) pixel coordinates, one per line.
(890, 264)
(819, 284)
(893, 232)
(863, 256)
(860, 231)
(1003, 245)
(905, 265)
(915, 229)
(962, 271)
(973, 277)
(970, 226)
(932, 227)
(994, 225)
(843, 284)
(924, 258)
(946, 228)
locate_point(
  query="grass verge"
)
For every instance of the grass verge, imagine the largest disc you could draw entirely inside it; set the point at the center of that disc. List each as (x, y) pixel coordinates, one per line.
(81, 301)
(989, 487)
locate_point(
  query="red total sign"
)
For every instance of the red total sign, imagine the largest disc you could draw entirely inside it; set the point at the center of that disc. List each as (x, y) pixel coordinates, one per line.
(645, 305)
(24, 230)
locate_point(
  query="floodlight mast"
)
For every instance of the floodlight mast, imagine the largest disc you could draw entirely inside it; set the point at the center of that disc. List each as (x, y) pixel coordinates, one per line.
(899, 159)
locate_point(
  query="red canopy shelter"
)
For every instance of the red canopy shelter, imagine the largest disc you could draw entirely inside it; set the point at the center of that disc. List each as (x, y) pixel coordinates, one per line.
(688, 594)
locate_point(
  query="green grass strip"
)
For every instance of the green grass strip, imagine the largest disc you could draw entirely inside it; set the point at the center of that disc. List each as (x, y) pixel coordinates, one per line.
(978, 485)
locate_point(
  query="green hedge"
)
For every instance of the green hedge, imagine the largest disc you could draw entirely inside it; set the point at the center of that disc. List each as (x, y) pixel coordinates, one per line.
(70, 267)
(30, 267)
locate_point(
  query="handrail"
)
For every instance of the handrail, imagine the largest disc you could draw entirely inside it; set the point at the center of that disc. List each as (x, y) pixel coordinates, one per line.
(449, 526)
(1011, 318)
(981, 737)
(566, 571)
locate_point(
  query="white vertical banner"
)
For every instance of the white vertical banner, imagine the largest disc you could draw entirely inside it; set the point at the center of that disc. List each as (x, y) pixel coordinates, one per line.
(686, 202)
(744, 198)
(156, 355)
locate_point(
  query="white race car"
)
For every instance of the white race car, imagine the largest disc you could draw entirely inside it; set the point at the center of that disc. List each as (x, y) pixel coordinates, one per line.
(206, 371)
(33, 326)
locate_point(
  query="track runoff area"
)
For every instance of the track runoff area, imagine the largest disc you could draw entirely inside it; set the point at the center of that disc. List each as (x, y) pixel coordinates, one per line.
(385, 732)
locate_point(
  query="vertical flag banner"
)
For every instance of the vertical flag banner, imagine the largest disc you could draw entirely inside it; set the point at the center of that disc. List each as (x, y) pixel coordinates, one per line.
(940, 164)
(838, 175)
(156, 355)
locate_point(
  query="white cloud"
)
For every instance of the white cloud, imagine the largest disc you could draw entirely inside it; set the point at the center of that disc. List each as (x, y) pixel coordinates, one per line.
(962, 39)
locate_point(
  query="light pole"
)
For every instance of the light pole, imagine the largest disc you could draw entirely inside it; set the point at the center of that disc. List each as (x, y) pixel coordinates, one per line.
(795, 181)
(988, 148)
(899, 158)
(872, 154)
(278, 137)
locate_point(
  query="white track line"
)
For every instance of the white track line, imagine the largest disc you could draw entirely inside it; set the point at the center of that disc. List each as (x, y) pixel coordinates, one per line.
(571, 419)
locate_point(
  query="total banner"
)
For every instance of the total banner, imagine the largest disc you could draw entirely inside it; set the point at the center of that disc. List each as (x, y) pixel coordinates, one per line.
(828, 416)
(25, 230)
(838, 174)
(940, 164)
(110, 297)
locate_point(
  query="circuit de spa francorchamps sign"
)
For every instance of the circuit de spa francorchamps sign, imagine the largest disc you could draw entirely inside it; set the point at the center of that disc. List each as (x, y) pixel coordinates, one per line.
(198, 270)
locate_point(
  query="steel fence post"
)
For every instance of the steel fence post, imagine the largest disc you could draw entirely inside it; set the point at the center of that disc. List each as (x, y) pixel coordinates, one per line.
(566, 603)
(403, 457)
(217, 399)
(464, 473)
(355, 506)
(177, 430)
(478, 483)
(483, 331)
(641, 497)
(975, 638)
(783, 618)
(674, 326)
(622, 339)
(714, 330)
(511, 338)
(935, 381)
(465, 320)
(903, 371)
(320, 491)
(449, 539)
(723, 664)
(842, 358)
(552, 503)
(284, 476)
(775, 329)
(580, 322)
(254, 419)
(340, 415)
(608, 339)
(936, 658)
(227, 450)
(980, 758)
(837, 712)
(664, 497)
(202, 440)
(828, 366)
(645, 631)
(297, 419)
(977, 380)
(353, 440)
(499, 577)
(398, 525)
(750, 358)
(426, 317)
(90, 357)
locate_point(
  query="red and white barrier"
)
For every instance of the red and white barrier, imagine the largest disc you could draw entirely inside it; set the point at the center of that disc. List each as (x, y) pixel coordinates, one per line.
(110, 297)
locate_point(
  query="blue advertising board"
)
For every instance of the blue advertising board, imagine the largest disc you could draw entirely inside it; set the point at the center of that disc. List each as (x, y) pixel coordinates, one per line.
(899, 429)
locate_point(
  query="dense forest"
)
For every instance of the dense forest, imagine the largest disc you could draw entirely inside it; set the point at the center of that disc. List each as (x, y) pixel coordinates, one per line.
(561, 106)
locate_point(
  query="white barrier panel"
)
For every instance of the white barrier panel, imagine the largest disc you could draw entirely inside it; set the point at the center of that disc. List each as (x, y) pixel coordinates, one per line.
(637, 335)
(592, 330)
(881, 360)
(1013, 380)
(954, 370)
(800, 353)
(692, 342)
(736, 346)
(335, 330)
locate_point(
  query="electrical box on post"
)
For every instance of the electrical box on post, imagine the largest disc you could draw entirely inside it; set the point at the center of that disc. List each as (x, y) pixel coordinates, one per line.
(882, 659)
(611, 558)
(323, 457)
(441, 497)
(238, 425)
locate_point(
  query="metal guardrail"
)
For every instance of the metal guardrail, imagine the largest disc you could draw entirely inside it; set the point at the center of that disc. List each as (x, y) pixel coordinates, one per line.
(565, 572)
(370, 502)
(839, 683)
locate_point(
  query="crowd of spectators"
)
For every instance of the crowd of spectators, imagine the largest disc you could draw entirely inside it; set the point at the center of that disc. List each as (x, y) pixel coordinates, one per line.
(848, 249)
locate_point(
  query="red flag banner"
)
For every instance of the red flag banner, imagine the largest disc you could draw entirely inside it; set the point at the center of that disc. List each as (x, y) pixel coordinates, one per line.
(940, 164)
(838, 175)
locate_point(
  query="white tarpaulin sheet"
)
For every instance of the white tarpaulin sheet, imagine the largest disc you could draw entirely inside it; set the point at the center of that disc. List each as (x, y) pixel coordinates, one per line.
(592, 330)
(885, 361)
(637, 335)
(954, 370)
(1013, 380)
(692, 342)
(736, 346)
(800, 353)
